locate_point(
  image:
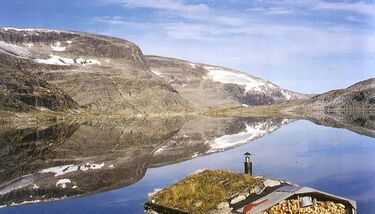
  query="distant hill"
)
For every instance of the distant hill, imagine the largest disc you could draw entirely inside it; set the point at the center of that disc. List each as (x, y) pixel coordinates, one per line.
(360, 96)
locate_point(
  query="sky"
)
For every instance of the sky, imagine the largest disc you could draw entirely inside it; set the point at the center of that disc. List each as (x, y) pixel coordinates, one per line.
(309, 46)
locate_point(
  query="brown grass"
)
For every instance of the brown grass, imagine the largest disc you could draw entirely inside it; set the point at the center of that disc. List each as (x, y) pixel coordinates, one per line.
(199, 193)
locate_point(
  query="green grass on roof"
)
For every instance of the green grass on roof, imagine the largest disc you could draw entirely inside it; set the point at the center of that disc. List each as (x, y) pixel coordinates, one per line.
(201, 192)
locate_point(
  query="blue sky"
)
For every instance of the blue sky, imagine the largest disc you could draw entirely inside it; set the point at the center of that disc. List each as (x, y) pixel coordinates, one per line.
(308, 46)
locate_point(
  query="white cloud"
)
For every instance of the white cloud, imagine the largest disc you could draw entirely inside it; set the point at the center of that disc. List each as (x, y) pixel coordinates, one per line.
(359, 7)
(271, 10)
(278, 11)
(169, 5)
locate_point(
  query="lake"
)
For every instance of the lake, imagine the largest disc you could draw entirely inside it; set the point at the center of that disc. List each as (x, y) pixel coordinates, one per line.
(111, 166)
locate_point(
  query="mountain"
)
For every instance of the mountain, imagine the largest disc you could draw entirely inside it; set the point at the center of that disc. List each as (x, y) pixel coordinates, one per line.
(360, 96)
(213, 86)
(97, 72)
(112, 75)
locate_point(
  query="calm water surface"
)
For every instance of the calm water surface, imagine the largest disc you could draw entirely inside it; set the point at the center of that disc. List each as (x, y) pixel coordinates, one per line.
(334, 160)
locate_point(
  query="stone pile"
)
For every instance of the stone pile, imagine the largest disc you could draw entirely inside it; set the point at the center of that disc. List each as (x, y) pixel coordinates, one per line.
(292, 207)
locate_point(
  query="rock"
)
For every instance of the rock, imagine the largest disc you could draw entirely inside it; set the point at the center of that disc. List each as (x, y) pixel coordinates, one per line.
(223, 205)
(150, 211)
(257, 189)
(238, 199)
(197, 171)
(225, 210)
(271, 183)
(198, 204)
(154, 192)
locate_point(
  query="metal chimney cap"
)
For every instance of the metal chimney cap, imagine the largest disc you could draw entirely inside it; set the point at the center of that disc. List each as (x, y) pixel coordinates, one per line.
(247, 153)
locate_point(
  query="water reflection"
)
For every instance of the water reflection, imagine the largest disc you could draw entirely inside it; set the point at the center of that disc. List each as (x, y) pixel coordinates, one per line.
(60, 161)
(67, 160)
(357, 121)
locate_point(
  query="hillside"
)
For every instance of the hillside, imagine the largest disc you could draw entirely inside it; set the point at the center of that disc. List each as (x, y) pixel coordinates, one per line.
(213, 86)
(22, 91)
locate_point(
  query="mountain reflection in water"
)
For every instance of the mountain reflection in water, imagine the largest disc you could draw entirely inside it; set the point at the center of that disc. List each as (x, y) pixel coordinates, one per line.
(67, 160)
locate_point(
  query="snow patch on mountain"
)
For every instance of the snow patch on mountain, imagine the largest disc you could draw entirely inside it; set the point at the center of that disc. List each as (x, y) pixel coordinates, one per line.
(286, 94)
(88, 166)
(61, 170)
(85, 62)
(229, 77)
(14, 50)
(192, 65)
(160, 150)
(33, 30)
(57, 47)
(63, 182)
(56, 60)
(156, 72)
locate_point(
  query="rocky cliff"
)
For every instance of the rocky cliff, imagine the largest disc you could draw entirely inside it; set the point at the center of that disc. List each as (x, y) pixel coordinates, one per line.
(213, 86)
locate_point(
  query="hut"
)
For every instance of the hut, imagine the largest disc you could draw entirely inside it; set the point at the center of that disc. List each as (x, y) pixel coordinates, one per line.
(222, 192)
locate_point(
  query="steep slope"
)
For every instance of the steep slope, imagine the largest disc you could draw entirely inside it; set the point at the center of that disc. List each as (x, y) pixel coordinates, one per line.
(98, 72)
(22, 91)
(360, 96)
(213, 86)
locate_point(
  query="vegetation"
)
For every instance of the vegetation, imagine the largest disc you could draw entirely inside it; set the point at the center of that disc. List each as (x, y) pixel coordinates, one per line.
(201, 192)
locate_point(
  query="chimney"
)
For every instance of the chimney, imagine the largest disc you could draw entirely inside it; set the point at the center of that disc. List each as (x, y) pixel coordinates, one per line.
(248, 164)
